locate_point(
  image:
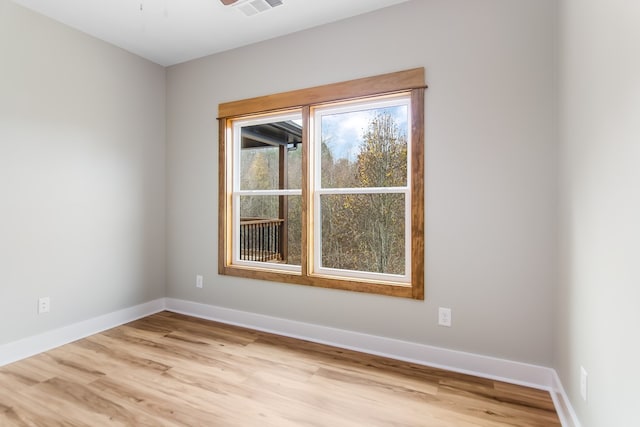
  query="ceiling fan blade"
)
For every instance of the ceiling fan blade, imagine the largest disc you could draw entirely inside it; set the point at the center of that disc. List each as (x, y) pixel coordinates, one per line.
(228, 2)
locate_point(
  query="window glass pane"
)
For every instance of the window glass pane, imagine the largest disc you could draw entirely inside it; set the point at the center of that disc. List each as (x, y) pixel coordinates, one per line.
(270, 156)
(364, 148)
(294, 230)
(270, 229)
(364, 232)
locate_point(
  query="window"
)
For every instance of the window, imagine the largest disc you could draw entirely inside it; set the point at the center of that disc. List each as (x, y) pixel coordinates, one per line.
(325, 186)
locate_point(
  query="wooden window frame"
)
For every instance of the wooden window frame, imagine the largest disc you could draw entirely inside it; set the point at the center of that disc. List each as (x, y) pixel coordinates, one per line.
(409, 81)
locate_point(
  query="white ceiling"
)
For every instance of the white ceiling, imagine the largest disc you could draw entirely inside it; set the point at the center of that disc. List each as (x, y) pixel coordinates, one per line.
(172, 31)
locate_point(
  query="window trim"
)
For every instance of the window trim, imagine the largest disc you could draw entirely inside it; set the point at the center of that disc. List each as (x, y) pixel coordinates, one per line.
(410, 81)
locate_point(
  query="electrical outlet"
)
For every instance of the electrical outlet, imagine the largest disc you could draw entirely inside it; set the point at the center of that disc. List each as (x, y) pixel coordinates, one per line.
(199, 281)
(444, 316)
(44, 304)
(583, 383)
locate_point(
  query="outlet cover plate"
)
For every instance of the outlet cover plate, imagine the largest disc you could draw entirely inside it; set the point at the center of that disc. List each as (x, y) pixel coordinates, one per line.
(583, 383)
(444, 316)
(44, 305)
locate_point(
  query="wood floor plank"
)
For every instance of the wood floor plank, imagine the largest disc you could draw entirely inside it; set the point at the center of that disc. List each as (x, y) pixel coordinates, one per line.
(173, 370)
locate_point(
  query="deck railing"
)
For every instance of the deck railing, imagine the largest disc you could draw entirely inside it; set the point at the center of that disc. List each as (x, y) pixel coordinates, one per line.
(260, 239)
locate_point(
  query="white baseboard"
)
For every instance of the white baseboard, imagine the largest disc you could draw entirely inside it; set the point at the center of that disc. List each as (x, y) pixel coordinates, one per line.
(468, 363)
(561, 401)
(30, 346)
(458, 361)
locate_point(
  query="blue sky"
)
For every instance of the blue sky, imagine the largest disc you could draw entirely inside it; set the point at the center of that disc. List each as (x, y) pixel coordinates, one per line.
(343, 132)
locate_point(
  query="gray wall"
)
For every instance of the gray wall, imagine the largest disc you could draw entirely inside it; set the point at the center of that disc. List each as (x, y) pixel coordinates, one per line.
(597, 311)
(82, 171)
(490, 170)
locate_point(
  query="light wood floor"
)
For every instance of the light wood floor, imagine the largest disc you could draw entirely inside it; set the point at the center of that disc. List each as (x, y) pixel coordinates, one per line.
(170, 370)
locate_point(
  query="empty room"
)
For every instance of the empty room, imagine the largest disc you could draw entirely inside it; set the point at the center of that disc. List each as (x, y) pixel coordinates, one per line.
(319, 212)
